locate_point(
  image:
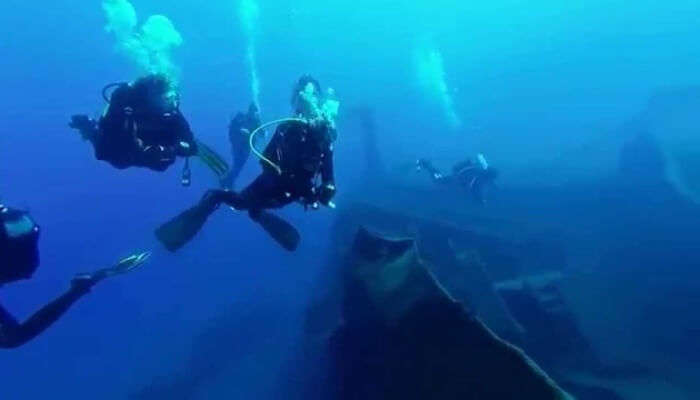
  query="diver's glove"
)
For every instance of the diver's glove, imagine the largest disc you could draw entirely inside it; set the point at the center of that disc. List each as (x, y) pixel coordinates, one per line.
(86, 126)
(185, 149)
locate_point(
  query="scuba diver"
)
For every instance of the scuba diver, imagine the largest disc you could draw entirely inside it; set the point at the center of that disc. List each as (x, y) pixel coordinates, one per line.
(143, 127)
(19, 259)
(297, 166)
(473, 176)
(239, 130)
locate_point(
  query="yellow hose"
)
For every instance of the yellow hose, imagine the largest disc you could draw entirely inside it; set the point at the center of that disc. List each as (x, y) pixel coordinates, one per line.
(260, 128)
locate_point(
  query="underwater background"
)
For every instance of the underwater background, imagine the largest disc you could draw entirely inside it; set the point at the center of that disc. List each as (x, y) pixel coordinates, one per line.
(541, 87)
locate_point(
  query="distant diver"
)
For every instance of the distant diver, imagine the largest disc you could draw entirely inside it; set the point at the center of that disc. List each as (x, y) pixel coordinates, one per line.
(297, 166)
(473, 176)
(19, 259)
(143, 126)
(239, 130)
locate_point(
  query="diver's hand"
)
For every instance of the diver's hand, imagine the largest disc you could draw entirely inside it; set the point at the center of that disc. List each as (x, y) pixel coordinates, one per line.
(85, 125)
(185, 149)
(80, 121)
(326, 194)
(159, 157)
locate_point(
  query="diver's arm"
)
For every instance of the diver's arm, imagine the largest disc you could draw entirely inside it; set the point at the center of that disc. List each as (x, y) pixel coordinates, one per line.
(116, 147)
(434, 173)
(187, 145)
(86, 126)
(117, 142)
(14, 334)
(157, 158)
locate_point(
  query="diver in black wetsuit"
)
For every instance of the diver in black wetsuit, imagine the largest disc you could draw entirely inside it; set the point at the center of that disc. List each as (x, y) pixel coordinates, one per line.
(19, 259)
(239, 130)
(473, 176)
(142, 127)
(297, 167)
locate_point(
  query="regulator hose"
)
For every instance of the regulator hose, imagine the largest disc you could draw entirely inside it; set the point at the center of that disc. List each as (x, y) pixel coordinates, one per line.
(108, 87)
(255, 151)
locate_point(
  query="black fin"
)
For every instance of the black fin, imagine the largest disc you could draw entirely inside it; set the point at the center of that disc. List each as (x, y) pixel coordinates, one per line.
(212, 159)
(180, 230)
(280, 230)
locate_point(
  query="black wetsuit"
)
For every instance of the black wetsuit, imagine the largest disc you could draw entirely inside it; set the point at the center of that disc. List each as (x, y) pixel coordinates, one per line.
(14, 334)
(304, 154)
(239, 130)
(132, 133)
(466, 174)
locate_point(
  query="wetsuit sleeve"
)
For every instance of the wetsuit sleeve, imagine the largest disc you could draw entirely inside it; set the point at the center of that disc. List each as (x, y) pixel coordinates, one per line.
(434, 173)
(184, 134)
(14, 334)
(116, 142)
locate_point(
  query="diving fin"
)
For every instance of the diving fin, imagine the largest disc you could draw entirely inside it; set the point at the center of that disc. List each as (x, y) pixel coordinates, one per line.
(128, 264)
(279, 229)
(124, 266)
(212, 160)
(180, 230)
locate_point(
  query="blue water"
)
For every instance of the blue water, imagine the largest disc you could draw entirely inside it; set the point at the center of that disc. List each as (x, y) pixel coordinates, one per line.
(533, 81)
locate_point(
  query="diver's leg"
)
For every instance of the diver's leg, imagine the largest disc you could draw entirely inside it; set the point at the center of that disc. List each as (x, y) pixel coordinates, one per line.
(227, 180)
(15, 335)
(434, 173)
(240, 153)
(265, 192)
(253, 196)
(478, 186)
